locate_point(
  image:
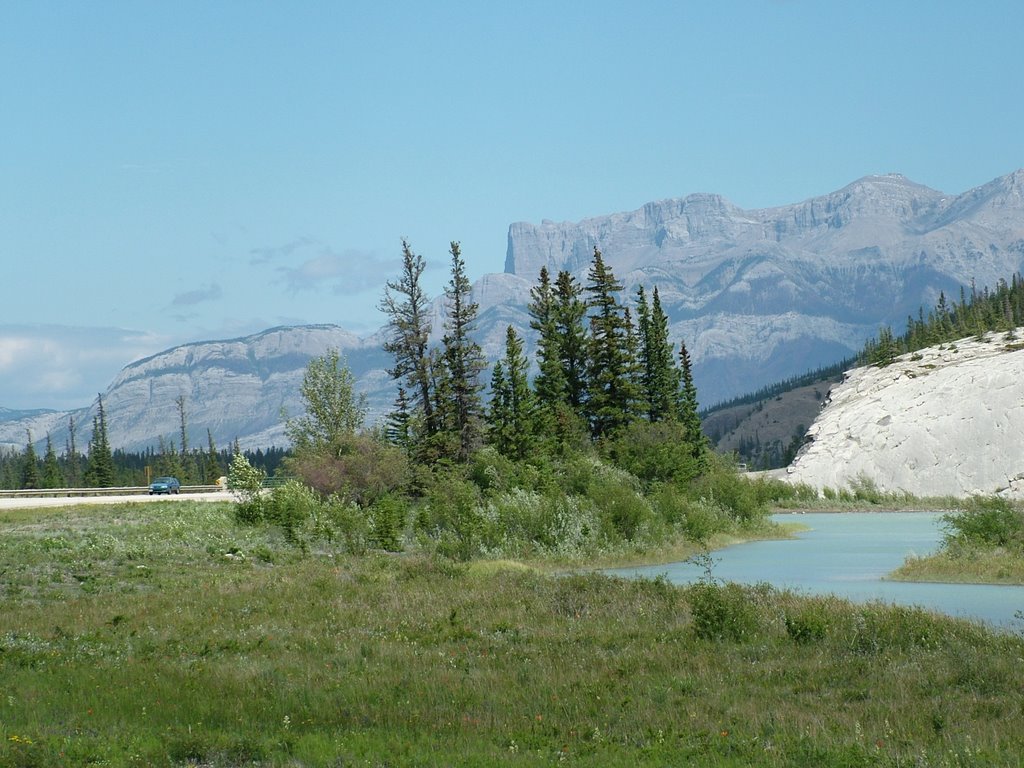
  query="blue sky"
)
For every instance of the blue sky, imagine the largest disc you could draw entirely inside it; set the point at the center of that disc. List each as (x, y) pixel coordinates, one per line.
(172, 172)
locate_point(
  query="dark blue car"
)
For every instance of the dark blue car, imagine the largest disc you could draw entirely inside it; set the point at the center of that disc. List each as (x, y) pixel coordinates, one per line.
(164, 485)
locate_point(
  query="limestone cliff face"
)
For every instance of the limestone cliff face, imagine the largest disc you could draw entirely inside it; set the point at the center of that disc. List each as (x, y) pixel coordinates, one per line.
(948, 420)
(762, 295)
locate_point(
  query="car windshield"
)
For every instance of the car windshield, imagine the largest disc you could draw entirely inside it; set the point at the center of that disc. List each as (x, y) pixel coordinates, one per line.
(164, 480)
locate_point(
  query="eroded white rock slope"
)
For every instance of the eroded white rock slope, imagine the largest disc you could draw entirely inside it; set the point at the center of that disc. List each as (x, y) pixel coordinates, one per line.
(948, 420)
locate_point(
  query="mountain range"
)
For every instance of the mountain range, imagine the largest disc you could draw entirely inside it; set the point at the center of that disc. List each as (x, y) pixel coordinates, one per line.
(758, 295)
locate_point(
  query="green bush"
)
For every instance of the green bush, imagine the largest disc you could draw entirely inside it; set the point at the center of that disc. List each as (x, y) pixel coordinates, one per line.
(340, 519)
(368, 470)
(625, 514)
(290, 506)
(246, 484)
(657, 452)
(864, 488)
(986, 520)
(808, 623)
(452, 516)
(724, 611)
(722, 485)
(387, 522)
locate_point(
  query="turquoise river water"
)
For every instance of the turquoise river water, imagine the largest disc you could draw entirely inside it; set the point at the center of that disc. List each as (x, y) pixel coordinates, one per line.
(849, 555)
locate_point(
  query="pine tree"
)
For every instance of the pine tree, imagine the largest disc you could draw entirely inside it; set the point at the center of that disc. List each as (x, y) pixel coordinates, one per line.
(72, 460)
(52, 477)
(100, 471)
(398, 426)
(610, 387)
(463, 357)
(211, 468)
(659, 381)
(665, 376)
(407, 308)
(570, 317)
(550, 382)
(687, 407)
(511, 417)
(187, 462)
(30, 465)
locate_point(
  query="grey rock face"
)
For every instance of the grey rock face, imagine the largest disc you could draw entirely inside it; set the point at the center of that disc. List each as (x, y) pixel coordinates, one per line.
(760, 295)
(945, 421)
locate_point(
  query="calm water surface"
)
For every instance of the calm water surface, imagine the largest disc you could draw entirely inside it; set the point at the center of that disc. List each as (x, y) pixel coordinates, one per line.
(848, 555)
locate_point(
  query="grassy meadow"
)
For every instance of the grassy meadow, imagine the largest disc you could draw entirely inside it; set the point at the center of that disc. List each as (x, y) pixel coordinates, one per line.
(166, 634)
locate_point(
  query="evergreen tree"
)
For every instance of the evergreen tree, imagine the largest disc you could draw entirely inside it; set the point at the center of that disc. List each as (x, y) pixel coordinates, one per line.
(398, 426)
(72, 461)
(407, 308)
(664, 375)
(212, 471)
(687, 408)
(100, 470)
(659, 380)
(511, 415)
(30, 465)
(610, 386)
(463, 358)
(188, 468)
(550, 382)
(52, 477)
(570, 316)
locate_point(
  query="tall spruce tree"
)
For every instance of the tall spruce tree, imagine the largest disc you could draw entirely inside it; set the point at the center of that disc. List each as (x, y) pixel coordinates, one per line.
(100, 471)
(511, 417)
(407, 308)
(463, 358)
(550, 382)
(72, 462)
(688, 409)
(611, 386)
(211, 465)
(52, 477)
(398, 425)
(570, 325)
(659, 374)
(30, 465)
(188, 467)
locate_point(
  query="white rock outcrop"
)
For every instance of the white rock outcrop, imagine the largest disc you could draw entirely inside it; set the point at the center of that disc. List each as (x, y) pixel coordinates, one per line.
(947, 420)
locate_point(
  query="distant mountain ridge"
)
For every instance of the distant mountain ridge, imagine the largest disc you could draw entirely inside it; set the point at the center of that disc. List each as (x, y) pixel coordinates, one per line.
(758, 295)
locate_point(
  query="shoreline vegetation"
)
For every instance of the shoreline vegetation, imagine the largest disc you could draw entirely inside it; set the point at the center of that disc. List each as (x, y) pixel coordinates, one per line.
(168, 634)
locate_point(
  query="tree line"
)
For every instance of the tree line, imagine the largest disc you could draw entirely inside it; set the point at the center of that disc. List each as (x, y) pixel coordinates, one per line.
(101, 467)
(976, 313)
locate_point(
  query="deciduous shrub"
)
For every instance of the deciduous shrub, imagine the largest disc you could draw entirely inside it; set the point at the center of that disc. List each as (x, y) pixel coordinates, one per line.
(367, 470)
(986, 520)
(246, 484)
(723, 611)
(722, 485)
(388, 521)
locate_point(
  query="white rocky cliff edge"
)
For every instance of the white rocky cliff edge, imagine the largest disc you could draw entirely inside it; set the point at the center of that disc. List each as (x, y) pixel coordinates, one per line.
(947, 420)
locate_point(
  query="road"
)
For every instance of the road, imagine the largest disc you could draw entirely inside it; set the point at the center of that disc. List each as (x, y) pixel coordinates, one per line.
(28, 502)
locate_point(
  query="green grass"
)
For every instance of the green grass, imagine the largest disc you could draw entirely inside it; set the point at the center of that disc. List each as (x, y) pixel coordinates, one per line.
(162, 634)
(965, 565)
